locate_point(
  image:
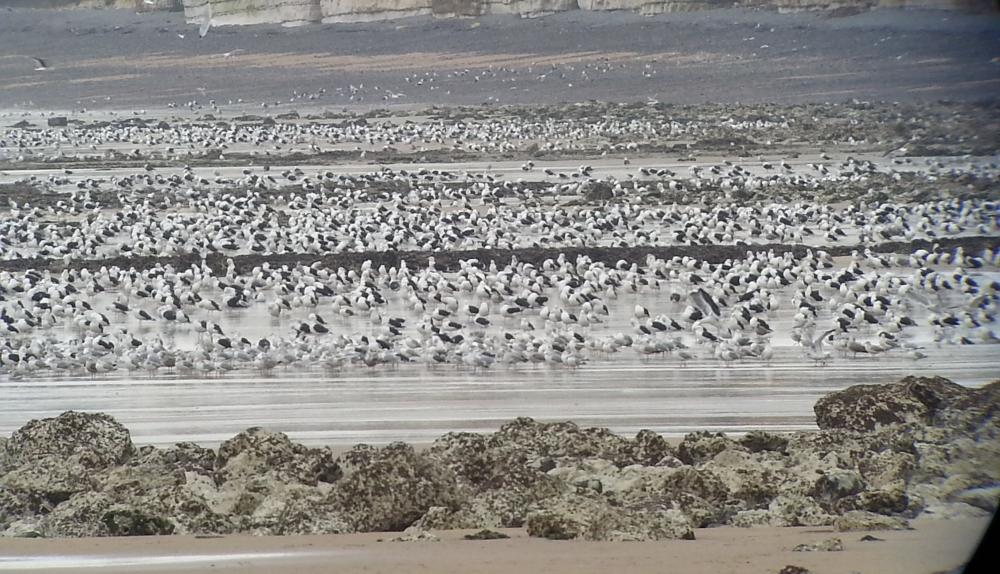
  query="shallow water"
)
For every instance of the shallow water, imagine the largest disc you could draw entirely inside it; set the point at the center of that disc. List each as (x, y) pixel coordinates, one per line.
(146, 561)
(419, 404)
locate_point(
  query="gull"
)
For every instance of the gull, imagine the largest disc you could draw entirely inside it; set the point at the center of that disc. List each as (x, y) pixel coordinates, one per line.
(816, 345)
(41, 65)
(684, 356)
(819, 358)
(703, 301)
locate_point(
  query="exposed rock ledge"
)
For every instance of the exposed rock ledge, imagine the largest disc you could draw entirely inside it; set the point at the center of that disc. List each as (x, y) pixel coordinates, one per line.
(883, 454)
(294, 12)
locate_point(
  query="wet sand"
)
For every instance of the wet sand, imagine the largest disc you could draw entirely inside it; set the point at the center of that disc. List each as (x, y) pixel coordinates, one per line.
(419, 404)
(933, 545)
(120, 59)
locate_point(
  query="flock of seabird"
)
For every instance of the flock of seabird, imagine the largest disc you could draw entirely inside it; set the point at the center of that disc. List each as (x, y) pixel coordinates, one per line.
(262, 139)
(410, 211)
(561, 312)
(81, 306)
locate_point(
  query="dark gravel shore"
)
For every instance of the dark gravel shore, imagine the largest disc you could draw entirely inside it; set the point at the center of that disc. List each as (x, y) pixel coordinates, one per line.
(450, 260)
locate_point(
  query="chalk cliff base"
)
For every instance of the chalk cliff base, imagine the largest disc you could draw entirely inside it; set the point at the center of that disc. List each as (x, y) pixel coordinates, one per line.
(292, 12)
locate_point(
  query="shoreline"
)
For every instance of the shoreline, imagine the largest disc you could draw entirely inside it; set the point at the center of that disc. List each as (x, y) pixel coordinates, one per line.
(933, 545)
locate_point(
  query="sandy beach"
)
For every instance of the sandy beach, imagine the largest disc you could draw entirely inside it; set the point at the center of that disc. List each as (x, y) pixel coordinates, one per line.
(932, 546)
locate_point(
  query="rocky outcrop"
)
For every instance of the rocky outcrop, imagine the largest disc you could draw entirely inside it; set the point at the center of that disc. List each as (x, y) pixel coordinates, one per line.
(916, 400)
(591, 517)
(92, 440)
(390, 488)
(828, 545)
(47, 462)
(259, 456)
(884, 454)
(861, 520)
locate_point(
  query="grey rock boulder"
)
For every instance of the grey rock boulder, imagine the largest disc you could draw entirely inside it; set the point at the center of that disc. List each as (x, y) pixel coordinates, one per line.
(567, 440)
(183, 456)
(761, 441)
(48, 481)
(917, 400)
(592, 518)
(14, 506)
(256, 453)
(188, 510)
(698, 493)
(413, 534)
(94, 440)
(389, 488)
(862, 520)
(296, 509)
(828, 545)
(95, 514)
(702, 446)
(984, 497)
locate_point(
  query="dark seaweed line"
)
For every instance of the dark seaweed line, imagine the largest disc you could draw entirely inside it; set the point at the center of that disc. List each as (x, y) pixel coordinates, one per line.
(449, 260)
